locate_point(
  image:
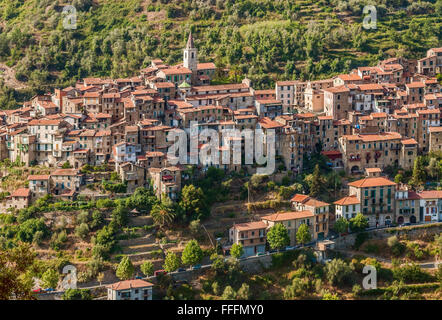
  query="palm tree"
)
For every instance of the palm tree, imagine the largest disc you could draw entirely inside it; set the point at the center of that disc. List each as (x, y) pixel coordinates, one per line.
(162, 215)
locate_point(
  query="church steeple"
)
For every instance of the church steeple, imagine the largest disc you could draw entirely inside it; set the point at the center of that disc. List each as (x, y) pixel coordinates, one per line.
(190, 57)
(190, 44)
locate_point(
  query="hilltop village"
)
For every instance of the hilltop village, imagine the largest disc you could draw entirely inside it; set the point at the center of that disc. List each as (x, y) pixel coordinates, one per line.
(362, 122)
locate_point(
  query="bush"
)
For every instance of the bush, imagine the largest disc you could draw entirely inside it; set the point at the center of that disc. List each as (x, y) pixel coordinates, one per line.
(147, 268)
(77, 294)
(298, 288)
(356, 290)
(396, 247)
(411, 273)
(338, 272)
(82, 231)
(229, 293)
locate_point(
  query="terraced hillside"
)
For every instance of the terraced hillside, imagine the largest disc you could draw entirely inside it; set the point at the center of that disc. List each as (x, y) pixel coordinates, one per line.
(265, 40)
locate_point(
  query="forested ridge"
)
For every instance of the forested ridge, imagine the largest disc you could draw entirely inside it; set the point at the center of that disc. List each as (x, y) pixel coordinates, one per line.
(265, 40)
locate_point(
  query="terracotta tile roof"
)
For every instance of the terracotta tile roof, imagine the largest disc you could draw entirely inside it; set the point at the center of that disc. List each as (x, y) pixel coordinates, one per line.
(65, 172)
(299, 198)
(21, 192)
(267, 123)
(284, 216)
(206, 66)
(435, 129)
(176, 70)
(250, 225)
(315, 203)
(409, 141)
(129, 284)
(430, 194)
(349, 77)
(347, 201)
(374, 137)
(44, 122)
(415, 85)
(221, 87)
(337, 89)
(373, 170)
(372, 182)
(39, 177)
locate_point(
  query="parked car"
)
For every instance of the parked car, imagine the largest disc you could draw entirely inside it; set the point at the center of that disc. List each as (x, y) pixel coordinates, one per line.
(282, 249)
(290, 248)
(38, 290)
(260, 254)
(138, 277)
(158, 272)
(273, 251)
(181, 269)
(49, 290)
(196, 267)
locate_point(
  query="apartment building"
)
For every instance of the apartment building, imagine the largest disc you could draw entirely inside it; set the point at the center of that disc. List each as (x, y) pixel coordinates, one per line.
(320, 210)
(135, 289)
(251, 235)
(377, 199)
(291, 221)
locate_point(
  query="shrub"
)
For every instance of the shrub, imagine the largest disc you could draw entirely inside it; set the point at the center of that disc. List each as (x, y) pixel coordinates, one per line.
(411, 273)
(82, 231)
(229, 293)
(298, 288)
(356, 290)
(338, 272)
(77, 294)
(147, 268)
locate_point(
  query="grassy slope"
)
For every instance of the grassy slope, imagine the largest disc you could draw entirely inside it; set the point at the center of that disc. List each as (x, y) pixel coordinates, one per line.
(265, 40)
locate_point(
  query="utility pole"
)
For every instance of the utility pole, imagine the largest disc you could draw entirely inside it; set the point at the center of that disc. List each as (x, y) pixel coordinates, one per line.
(208, 235)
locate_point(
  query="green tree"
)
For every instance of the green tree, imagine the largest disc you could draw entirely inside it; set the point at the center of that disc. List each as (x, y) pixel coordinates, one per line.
(77, 294)
(125, 269)
(229, 293)
(192, 253)
(218, 263)
(237, 250)
(120, 216)
(162, 214)
(244, 292)
(16, 265)
(316, 182)
(303, 235)
(97, 219)
(338, 272)
(418, 176)
(172, 262)
(433, 168)
(399, 178)
(278, 236)
(49, 278)
(193, 203)
(358, 223)
(341, 225)
(147, 268)
(82, 230)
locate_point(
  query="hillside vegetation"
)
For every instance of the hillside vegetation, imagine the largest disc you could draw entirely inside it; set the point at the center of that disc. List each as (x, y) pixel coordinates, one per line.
(265, 40)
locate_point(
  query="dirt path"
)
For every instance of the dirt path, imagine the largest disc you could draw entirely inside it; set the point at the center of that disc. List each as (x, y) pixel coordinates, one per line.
(8, 75)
